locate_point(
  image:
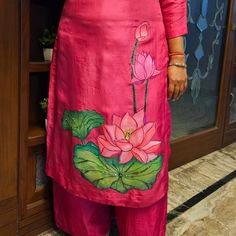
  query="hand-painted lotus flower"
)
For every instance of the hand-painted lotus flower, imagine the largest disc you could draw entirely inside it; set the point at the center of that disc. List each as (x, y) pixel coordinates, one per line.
(142, 32)
(129, 137)
(143, 68)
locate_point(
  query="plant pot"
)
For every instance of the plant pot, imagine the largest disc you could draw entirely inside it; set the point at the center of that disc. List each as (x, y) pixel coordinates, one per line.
(47, 53)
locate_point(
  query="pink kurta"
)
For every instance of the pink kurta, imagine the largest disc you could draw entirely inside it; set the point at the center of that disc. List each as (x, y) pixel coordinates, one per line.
(109, 120)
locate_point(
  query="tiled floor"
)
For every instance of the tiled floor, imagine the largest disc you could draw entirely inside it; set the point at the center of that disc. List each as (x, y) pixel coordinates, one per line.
(214, 215)
(194, 208)
(192, 178)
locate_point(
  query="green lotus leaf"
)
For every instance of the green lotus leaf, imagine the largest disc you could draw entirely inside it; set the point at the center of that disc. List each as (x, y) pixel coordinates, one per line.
(81, 123)
(120, 186)
(105, 173)
(93, 168)
(139, 175)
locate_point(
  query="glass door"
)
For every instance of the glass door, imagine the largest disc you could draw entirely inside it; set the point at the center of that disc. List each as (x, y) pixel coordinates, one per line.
(197, 109)
(198, 116)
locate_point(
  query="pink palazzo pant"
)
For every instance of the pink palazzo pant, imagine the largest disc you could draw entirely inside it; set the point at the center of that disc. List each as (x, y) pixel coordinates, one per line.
(80, 217)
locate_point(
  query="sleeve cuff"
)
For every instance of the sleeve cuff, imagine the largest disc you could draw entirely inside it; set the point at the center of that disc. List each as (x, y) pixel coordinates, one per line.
(175, 31)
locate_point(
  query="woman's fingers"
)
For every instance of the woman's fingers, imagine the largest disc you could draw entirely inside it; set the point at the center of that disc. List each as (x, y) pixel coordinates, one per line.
(182, 89)
(171, 89)
(185, 86)
(176, 91)
(177, 82)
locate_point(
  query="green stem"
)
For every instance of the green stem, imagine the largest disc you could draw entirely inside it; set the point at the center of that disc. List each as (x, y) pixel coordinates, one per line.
(83, 142)
(134, 98)
(132, 75)
(145, 96)
(134, 50)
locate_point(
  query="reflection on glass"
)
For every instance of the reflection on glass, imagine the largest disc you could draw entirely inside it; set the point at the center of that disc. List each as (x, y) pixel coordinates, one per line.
(41, 178)
(233, 103)
(204, 47)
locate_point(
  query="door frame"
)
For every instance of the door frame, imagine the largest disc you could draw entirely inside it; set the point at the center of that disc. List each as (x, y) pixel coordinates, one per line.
(229, 134)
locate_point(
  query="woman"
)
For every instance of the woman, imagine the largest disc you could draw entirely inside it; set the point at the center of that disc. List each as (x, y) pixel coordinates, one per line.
(115, 65)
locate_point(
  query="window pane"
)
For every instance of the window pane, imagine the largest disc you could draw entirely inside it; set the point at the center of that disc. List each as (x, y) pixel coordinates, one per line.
(197, 109)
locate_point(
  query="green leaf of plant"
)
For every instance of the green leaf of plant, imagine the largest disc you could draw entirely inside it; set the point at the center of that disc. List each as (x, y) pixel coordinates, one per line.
(48, 37)
(120, 186)
(105, 173)
(81, 123)
(137, 175)
(93, 168)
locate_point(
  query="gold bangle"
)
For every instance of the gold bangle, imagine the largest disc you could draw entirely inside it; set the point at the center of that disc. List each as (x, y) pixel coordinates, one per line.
(177, 54)
(182, 65)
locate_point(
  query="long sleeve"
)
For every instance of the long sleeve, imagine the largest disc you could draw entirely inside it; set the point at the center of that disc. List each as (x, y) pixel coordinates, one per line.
(175, 17)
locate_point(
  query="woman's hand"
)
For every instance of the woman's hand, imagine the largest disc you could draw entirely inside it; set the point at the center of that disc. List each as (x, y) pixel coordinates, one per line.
(177, 76)
(177, 80)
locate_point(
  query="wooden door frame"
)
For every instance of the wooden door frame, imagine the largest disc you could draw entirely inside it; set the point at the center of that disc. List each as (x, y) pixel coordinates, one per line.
(9, 120)
(191, 147)
(229, 133)
(34, 214)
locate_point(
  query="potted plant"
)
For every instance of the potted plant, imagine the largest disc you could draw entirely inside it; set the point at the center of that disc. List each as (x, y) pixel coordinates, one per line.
(47, 41)
(44, 107)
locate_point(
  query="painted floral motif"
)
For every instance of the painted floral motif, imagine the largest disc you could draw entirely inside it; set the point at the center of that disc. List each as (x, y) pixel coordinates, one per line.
(109, 173)
(143, 68)
(142, 32)
(125, 156)
(142, 65)
(129, 137)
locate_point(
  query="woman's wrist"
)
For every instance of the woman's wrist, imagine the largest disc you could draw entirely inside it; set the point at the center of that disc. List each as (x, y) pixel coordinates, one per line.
(176, 54)
(177, 64)
(175, 59)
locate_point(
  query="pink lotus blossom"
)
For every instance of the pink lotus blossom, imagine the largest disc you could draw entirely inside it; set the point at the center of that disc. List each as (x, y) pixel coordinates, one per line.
(142, 32)
(129, 137)
(143, 68)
